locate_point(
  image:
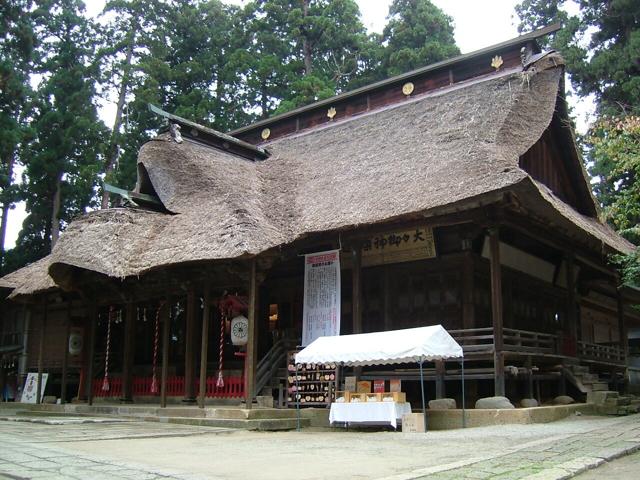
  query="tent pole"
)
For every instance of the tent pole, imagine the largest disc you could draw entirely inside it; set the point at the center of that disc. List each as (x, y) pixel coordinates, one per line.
(464, 419)
(424, 410)
(297, 401)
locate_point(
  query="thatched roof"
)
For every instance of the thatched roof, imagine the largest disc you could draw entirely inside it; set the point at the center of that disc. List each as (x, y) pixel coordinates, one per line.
(446, 148)
(32, 278)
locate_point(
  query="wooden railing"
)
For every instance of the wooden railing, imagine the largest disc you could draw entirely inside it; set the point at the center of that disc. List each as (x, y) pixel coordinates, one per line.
(474, 339)
(141, 387)
(524, 341)
(607, 353)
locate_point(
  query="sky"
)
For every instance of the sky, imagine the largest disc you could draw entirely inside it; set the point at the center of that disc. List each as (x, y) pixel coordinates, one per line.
(478, 24)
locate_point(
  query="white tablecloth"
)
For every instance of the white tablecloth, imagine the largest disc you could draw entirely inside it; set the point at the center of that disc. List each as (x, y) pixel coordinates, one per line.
(372, 413)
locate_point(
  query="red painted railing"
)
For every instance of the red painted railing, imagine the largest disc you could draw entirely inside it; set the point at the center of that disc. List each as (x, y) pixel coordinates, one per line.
(141, 387)
(115, 387)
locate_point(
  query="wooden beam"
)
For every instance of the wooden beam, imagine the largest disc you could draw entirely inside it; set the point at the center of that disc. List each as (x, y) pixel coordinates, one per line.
(572, 306)
(440, 373)
(166, 332)
(356, 290)
(65, 356)
(93, 327)
(190, 348)
(45, 309)
(206, 313)
(129, 346)
(496, 311)
(250, 359)
(622, 327)
(468, 286)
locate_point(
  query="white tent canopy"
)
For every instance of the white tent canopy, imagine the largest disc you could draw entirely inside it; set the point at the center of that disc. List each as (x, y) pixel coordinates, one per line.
(383, 348)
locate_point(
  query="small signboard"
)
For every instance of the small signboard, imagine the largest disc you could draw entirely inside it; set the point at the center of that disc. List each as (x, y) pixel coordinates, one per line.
(30, 391)
(402, 246)
(364, 386)
(350, 384)
(395, 385)
(378, 386)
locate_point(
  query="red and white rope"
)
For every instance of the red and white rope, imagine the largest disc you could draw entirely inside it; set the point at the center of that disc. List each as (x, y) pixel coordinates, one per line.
(105, 380)
(220, 381)
(156, 343)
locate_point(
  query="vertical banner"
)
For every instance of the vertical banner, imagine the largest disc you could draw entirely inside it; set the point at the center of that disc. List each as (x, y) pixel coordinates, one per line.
(321, 311)
(29, 393)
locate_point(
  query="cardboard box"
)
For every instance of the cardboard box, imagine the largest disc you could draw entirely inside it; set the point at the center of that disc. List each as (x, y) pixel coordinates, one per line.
(364, 386)
(413, 423)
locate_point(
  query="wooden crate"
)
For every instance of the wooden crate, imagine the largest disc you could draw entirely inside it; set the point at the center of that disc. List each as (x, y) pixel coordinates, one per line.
(399, 397)
(345, 394)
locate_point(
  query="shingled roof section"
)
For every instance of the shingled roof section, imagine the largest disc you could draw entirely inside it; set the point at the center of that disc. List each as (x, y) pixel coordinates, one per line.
(444, 148)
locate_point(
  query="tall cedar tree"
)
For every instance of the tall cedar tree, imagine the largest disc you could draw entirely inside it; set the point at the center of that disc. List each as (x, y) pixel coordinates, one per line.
(601, 45)
(16, 50)
(64, 155)
(179, 61)
(301, 51)
(417, 34)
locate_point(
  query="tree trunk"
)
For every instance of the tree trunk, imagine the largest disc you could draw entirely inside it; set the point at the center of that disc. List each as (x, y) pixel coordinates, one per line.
(113, 150)
(5, 212)
(306, 45)
(55, 211)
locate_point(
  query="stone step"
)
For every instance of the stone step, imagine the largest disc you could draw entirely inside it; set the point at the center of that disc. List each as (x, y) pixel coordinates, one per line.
(579, 369)
(600, 387)
(589, 377)
(253, 414)
(263, 424)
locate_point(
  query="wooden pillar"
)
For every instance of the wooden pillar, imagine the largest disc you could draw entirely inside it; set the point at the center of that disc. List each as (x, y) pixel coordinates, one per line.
(45, 311)
(356, 290)
(190, 349)
(496, 312)
(129, 347)
(65, 356)
(622, 327)
(572, 308)
(440, 372)
(250, 359)
(93, 327)
(468, 285)
(166, 332)
(204, 346)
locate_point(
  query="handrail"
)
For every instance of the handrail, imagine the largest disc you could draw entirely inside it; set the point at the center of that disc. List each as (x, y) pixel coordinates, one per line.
(270, 363)
(601, 352)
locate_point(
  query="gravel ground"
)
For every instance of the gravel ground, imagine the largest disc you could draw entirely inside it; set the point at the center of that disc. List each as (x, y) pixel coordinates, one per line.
(148, 450)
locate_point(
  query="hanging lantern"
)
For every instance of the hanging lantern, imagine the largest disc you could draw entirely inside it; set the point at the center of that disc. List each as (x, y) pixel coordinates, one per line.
(239, 330)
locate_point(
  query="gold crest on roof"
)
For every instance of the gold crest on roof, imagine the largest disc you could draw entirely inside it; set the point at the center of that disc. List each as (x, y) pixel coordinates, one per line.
(331, 113)
(496, 62)
(407, 88)
(266, 133)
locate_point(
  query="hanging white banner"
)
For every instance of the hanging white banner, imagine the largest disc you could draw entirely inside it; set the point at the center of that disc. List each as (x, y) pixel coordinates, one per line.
(321, 311)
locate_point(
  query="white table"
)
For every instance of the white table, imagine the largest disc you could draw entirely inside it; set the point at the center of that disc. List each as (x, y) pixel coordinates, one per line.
(369, 413)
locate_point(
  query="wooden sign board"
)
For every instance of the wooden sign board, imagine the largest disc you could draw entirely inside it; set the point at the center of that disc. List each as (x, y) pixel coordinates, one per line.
(413, 423)
(350, 384)
(395, 385)
(402, 246)
(364, 386)
(378, 386)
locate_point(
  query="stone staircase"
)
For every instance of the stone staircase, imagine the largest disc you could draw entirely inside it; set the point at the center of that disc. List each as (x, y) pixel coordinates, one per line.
(264, 419)
(582, 378)
(612, 403)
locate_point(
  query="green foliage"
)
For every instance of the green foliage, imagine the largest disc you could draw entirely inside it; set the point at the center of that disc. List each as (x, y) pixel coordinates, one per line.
(16, 49)
(64, 151)
(601, 45)
(417, 34)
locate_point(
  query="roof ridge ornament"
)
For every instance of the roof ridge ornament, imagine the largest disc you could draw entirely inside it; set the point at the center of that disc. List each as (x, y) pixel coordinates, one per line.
(174, 130)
